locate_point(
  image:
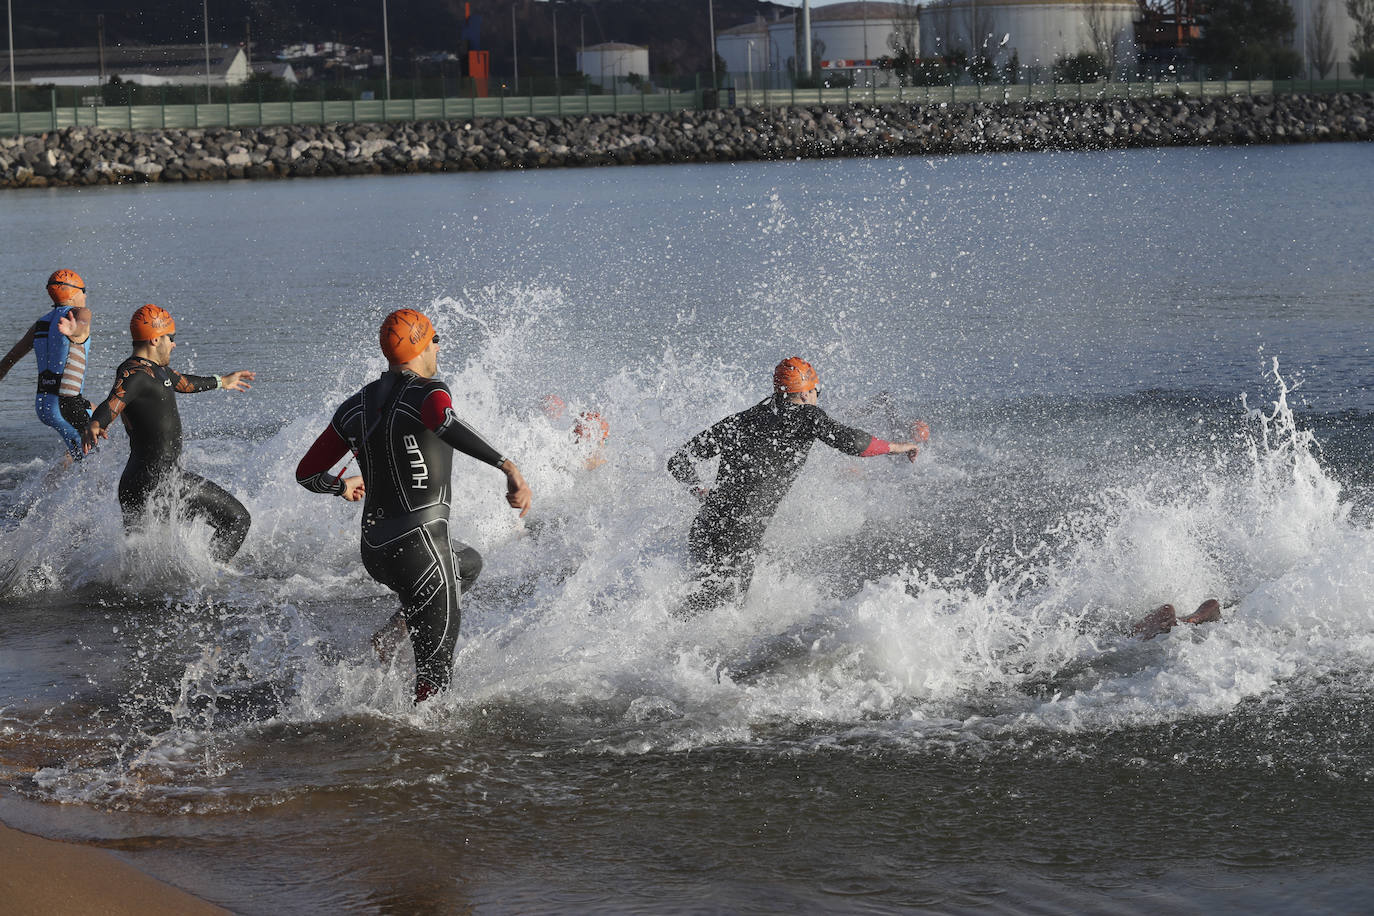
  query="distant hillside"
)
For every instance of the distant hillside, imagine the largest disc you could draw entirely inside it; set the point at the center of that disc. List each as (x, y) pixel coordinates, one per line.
(676, 31)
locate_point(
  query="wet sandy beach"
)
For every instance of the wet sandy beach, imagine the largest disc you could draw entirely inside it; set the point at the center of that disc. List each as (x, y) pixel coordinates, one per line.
(50, 878)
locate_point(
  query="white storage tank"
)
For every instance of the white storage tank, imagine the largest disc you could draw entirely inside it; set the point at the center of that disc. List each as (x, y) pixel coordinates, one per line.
(1036, 32)
(611, 63)
(747, 48)
(848, 36)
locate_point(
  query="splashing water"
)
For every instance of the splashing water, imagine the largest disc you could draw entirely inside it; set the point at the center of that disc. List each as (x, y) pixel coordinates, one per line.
(972, 595)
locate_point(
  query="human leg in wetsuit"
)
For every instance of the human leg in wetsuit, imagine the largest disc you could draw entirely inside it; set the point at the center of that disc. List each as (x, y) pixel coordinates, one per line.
(67, 415)
(722, 554)
(198, 497)
(467, 561)
(426, 571)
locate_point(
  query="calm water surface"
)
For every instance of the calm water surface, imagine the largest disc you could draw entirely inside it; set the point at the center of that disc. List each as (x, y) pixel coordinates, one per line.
(1149, 380)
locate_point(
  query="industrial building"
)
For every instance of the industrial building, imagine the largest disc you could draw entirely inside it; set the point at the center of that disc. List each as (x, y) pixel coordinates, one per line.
(844, 37)
(163, 65)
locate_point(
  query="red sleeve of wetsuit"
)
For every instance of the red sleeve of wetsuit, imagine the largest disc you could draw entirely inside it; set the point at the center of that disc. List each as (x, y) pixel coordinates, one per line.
(876, 446)
(313, 470)
(433, 410)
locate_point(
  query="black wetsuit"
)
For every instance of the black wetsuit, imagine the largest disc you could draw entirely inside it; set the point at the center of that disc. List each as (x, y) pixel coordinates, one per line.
(762, 450)
(404, 431)
(144, 397)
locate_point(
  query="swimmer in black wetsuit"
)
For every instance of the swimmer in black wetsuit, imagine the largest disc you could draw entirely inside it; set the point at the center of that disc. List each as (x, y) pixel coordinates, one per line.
(403, 430)
(762, 450)
(144, 396)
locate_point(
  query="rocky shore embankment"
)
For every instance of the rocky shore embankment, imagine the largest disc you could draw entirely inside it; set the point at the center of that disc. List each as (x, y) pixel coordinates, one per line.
(87, 156)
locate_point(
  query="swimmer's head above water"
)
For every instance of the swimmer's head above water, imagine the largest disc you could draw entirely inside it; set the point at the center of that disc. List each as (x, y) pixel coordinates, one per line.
(151, 322)
(154, 334)
(410, 343)
(405, 334)
(796, 380)
(65, 287)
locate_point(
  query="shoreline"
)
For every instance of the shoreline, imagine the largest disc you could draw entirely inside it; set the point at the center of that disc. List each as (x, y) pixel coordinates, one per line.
(46, 877)
(80, 156)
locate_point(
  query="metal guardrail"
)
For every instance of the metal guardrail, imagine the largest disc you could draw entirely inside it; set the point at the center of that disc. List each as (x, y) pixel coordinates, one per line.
(1044, 92)
(327, 111)
(330, 111)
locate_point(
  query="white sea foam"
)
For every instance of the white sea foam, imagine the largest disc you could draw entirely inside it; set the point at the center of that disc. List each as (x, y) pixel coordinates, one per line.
(961, 595)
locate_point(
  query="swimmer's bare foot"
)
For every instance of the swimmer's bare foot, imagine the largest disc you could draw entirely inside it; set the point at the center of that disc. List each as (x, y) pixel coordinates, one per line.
(1160, 620)
(388, 638)
(1207, 612)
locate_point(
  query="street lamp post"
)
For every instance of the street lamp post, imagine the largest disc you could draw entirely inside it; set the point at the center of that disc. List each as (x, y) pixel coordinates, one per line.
(864, 13)
(514, 49)
(386, 51)
(9, 10)
(711, 18)
(806, 38)
(973, 27)
(205, 10)
(555, 48)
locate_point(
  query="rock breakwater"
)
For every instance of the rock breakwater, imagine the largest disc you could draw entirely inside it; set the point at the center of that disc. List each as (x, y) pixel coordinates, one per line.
(88, 156)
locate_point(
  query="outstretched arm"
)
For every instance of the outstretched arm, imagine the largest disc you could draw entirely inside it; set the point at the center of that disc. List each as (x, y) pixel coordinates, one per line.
(856, 442)
(313, 470)
(237, 381)
(24, 345)
(184, 383)
(438, 414)
(920, 434)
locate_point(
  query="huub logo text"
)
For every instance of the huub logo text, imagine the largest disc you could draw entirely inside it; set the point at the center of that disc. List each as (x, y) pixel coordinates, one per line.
(419, 471)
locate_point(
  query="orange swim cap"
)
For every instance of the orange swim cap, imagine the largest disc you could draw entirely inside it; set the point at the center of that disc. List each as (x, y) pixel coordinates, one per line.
(405, 334)
(63, 285)
(795, 375)
(554, 406)
(151, 322)
(591, 427)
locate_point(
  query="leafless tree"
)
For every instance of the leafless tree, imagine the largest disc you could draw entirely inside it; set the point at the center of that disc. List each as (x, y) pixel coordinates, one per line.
(1100, 21)
(980, 26)
(940, 16)
(1362, 13)
(906, 29)
(1321, 46)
